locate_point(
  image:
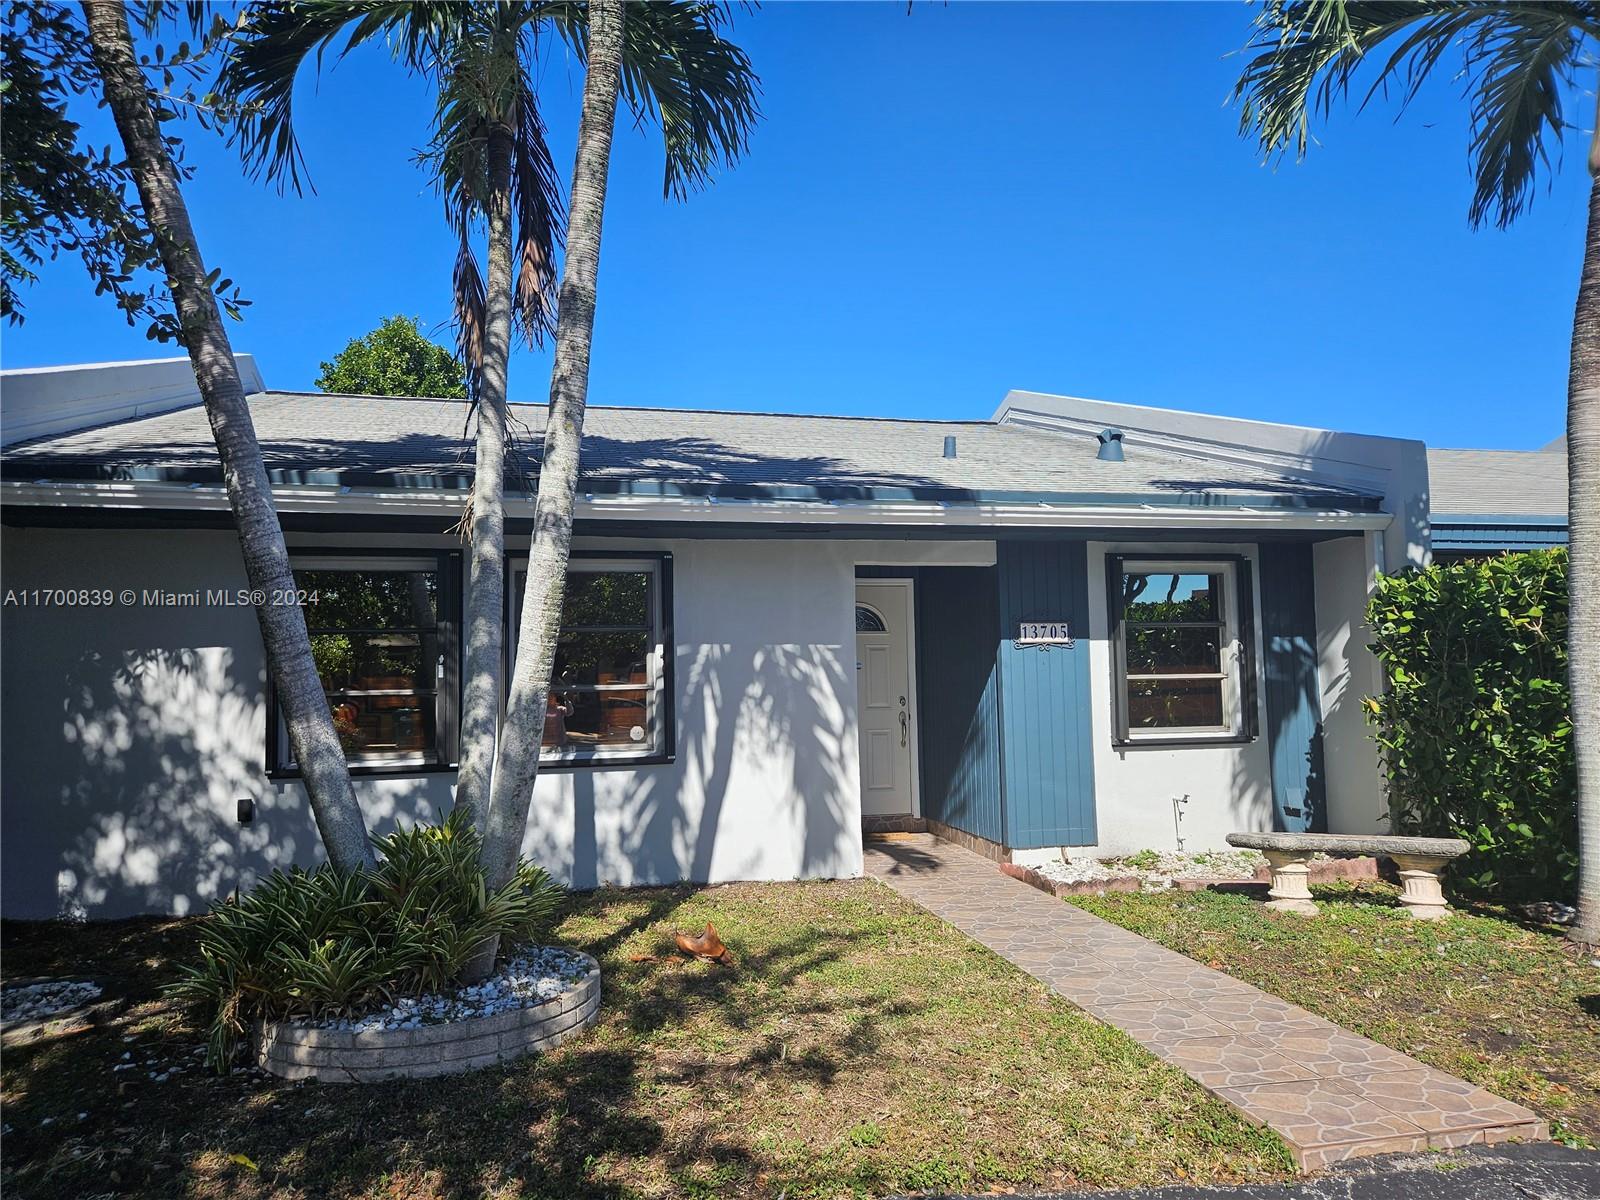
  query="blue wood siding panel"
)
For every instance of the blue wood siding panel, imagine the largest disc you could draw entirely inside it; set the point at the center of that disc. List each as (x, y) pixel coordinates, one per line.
(958, 699)
(1294, 723)
(1046, 743)
(1490, 537)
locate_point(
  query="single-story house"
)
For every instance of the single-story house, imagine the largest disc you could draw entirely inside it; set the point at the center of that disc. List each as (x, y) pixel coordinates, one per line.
(1074, 625)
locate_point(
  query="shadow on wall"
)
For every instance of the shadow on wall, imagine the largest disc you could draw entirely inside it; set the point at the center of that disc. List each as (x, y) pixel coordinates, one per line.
(154, 747)
(763, 785)
(1293, 722)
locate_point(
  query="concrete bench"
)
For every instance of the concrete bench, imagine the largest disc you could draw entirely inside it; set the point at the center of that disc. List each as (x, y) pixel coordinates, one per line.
(1418, 859)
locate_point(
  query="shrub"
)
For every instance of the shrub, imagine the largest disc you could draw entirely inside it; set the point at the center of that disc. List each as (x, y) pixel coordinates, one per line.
(1475, 730)
(325, 943)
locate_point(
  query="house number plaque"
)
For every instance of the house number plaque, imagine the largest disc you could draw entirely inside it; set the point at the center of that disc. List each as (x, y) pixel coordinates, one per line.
(1044, 634)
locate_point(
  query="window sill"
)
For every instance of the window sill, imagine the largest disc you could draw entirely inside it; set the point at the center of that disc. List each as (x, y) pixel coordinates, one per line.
(598, 763)
(398, 770)
(361, 770)
(1185, 742)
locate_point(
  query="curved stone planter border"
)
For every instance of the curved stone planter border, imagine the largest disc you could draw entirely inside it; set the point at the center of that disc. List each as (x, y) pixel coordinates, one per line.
(298, 1051)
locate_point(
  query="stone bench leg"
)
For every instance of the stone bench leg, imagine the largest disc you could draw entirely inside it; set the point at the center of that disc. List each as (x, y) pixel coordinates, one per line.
(1289, 891)
(1420, 891)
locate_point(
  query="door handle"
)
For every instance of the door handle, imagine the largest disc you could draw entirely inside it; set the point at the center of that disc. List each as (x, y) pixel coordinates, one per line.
(902, 727)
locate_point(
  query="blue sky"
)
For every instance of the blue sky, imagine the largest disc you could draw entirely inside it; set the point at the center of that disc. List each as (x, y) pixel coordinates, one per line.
(939, 207)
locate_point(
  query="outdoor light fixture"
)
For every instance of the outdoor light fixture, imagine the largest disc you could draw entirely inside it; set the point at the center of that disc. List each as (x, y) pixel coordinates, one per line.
(247, 809)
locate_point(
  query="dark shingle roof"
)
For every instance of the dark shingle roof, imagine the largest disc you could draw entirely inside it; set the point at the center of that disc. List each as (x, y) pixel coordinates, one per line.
(1531, 483)
(378, 441)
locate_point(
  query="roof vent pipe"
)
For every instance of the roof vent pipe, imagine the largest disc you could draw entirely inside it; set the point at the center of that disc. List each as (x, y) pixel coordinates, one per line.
(1110, 445)
(950, 447)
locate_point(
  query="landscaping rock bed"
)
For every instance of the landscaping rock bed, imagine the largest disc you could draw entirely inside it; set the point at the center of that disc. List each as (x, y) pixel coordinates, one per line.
(31, 1009)
(29, 1002)
(1154, 871)
(542, 997)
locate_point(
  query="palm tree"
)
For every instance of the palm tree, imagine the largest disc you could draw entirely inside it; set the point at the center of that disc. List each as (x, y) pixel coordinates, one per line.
(1518, 64)
(492, 164)
(283, 626)
(517, 759)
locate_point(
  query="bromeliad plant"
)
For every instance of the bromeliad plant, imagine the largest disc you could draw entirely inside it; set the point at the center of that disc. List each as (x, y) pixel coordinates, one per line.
(327, 943)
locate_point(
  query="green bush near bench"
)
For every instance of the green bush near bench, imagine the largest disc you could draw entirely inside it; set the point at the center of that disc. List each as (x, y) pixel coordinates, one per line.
(1475, 728)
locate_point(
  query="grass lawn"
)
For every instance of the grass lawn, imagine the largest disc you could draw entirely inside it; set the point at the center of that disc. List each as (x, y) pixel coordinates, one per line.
(1516, 1010)
(859, 1046)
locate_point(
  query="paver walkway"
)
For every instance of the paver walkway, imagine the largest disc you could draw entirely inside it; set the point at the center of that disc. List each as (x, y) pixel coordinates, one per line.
(1330, 1094)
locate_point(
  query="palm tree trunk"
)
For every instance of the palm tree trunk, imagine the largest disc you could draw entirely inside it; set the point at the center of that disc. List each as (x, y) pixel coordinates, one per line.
(1583, 570)
(517, 760)
(486, 587)
(266, 560)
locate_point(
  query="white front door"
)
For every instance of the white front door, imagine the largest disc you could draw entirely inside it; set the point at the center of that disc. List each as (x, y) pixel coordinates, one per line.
(883, 688)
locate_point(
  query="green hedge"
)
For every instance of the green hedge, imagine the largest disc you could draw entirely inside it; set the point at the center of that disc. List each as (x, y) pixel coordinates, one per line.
(1475, 729)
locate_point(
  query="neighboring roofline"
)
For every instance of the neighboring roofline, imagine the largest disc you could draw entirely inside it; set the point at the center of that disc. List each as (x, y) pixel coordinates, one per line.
(1133, 409)
(677, 509)
(661, 408)
(1394, 468)
(8, 372)
(413, 483)
(1508, 520)
(47, 402)
(1355, 460)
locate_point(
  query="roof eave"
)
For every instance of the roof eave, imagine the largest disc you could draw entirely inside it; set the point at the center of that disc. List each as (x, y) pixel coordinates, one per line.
(455, 483)
(1000, 510)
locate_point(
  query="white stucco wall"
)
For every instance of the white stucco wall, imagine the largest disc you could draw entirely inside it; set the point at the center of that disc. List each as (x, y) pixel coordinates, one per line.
(130, 732)
(1347, 673)
(1218, 789)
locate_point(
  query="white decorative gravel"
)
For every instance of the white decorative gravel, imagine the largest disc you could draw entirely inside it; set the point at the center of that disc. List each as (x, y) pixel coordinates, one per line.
(39, 1001)
(533, 975)
(1169, 865)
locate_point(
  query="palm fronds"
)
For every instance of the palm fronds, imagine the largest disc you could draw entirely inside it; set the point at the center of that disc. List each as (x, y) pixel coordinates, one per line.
(1515, 62)
(679, 71)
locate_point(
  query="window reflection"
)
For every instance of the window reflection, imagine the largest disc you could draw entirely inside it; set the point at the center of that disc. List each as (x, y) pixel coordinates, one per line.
(375, 642)
(603, 690)
(1174, 634)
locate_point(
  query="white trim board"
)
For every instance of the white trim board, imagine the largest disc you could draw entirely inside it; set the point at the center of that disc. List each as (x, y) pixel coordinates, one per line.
(135, 495)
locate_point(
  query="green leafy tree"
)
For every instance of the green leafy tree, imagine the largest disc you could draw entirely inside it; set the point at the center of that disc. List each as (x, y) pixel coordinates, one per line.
(1519, 67)
(59, 194)
(395, 359)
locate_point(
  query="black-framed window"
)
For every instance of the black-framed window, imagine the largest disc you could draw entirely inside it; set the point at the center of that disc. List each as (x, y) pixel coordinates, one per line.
(610, 695)
(383, 630)
(1181, 634)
